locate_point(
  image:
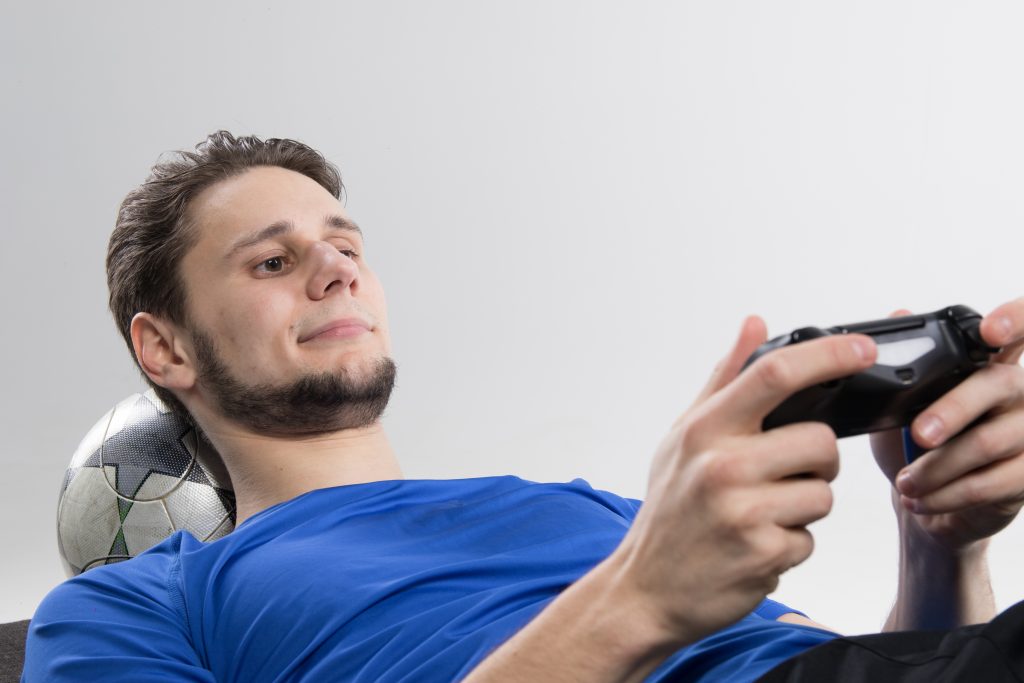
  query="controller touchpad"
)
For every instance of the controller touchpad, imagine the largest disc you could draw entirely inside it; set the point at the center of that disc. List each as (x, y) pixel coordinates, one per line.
(903, 351)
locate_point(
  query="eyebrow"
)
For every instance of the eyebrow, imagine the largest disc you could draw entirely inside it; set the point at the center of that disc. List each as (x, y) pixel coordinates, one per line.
(284, 226)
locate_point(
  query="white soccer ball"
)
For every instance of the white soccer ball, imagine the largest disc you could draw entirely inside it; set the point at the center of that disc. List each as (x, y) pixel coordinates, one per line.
(139, 475)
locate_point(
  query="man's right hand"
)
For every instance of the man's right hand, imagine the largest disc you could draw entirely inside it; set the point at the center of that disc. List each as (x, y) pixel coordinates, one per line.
(726, 513)
(728, 504)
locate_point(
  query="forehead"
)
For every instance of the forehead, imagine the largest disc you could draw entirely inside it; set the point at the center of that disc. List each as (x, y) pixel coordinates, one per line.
(256, 198)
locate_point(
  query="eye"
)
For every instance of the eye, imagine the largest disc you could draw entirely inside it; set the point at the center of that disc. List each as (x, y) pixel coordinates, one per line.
(271, 265)
(351, 254)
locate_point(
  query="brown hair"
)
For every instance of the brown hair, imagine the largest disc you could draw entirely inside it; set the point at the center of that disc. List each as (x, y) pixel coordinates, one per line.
(154, 229)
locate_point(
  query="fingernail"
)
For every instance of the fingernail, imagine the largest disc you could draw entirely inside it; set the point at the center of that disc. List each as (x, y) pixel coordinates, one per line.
(930, 428)
(905, 483)
(1005, 328)
(911, 504)
(863, 348)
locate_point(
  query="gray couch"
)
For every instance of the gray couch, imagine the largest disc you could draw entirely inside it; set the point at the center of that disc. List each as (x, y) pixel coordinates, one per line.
(12, 650)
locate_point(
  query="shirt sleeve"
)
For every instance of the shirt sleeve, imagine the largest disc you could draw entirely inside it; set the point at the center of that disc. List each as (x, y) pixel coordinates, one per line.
(111, 626)
(771, 610)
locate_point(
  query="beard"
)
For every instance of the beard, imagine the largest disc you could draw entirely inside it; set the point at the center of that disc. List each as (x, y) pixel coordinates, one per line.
(315, 403)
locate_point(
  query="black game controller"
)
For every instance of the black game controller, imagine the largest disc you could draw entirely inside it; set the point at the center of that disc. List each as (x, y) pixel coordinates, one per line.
(920, 358)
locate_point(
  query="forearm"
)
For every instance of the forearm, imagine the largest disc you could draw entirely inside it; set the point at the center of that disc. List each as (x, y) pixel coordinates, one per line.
(938, 589)
(591, 632)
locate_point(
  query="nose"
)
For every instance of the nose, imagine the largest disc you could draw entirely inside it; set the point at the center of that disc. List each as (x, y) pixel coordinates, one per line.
(330, 269)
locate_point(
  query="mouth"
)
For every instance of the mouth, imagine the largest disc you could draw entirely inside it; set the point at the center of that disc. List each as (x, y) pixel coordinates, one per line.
(337, 329)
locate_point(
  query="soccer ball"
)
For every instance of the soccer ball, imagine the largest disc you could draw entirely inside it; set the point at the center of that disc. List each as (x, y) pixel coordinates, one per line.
(139, 475)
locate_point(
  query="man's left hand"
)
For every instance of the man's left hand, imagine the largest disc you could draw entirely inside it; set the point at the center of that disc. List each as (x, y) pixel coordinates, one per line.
(970, 484)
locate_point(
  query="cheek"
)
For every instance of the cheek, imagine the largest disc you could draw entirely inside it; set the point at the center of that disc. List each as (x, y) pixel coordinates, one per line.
(248, 331)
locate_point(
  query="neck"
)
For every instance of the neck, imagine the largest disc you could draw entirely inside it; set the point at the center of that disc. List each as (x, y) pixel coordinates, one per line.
(267, 470)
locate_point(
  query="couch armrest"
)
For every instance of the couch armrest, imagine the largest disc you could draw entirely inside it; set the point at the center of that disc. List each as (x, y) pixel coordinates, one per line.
(12, 650)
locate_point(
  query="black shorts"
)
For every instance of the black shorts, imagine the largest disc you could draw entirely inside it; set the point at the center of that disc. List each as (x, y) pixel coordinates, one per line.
(980, 653)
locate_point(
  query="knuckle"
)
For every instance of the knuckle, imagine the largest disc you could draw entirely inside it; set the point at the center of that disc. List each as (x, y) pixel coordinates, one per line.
(720, 469)
(748, 516)
(803, 547)
(823, 438)
(721, 516)
(823, 447)
(768, 552)
(976, 491)
(788, 549)
(842, 352)
(953, 410)
(781, 554)
(691, 428)
(822, 500)
(740, 521)
(987, 442)
(1011, 378)
(776, 372)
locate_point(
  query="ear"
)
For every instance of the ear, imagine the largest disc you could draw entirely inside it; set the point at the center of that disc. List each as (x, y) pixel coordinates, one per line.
(162, 352)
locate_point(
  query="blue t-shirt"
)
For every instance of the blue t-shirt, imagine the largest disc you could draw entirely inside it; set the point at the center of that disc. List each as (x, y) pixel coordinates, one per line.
(403, 580)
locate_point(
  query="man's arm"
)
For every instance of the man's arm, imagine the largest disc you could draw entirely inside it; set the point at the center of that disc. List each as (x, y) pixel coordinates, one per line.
(725, 515)
(594, 631)
(938, 589)
(967, 486)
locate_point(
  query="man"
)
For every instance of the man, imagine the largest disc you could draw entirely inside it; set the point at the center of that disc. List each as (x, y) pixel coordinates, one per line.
(246, 295)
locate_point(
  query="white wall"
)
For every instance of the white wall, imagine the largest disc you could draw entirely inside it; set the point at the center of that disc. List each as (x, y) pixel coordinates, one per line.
(572, 206)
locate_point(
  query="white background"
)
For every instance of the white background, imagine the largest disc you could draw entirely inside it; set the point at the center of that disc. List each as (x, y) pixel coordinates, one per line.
(572, 206)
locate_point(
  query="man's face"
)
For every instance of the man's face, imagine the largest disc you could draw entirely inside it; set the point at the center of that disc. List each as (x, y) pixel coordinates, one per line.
(273, 271)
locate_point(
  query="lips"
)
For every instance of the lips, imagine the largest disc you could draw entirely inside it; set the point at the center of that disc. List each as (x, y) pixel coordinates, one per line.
(335, 325)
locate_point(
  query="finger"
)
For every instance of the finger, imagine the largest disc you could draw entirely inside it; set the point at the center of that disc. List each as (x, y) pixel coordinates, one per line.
(997, 439)
(742, 405)
(990, 387)
(996, 484)
(1010, 354)
(753, 333)
(799, 502)
(778, 550)
(1004, 327)
(800, 545)
(807, 449)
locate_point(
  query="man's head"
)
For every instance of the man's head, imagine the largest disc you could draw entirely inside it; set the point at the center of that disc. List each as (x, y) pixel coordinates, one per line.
(225, 269)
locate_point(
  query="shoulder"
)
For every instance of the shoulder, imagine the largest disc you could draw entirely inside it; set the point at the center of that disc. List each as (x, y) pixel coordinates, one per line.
(568, 500)
(142, 579)
(613, 502)
(115, 611)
